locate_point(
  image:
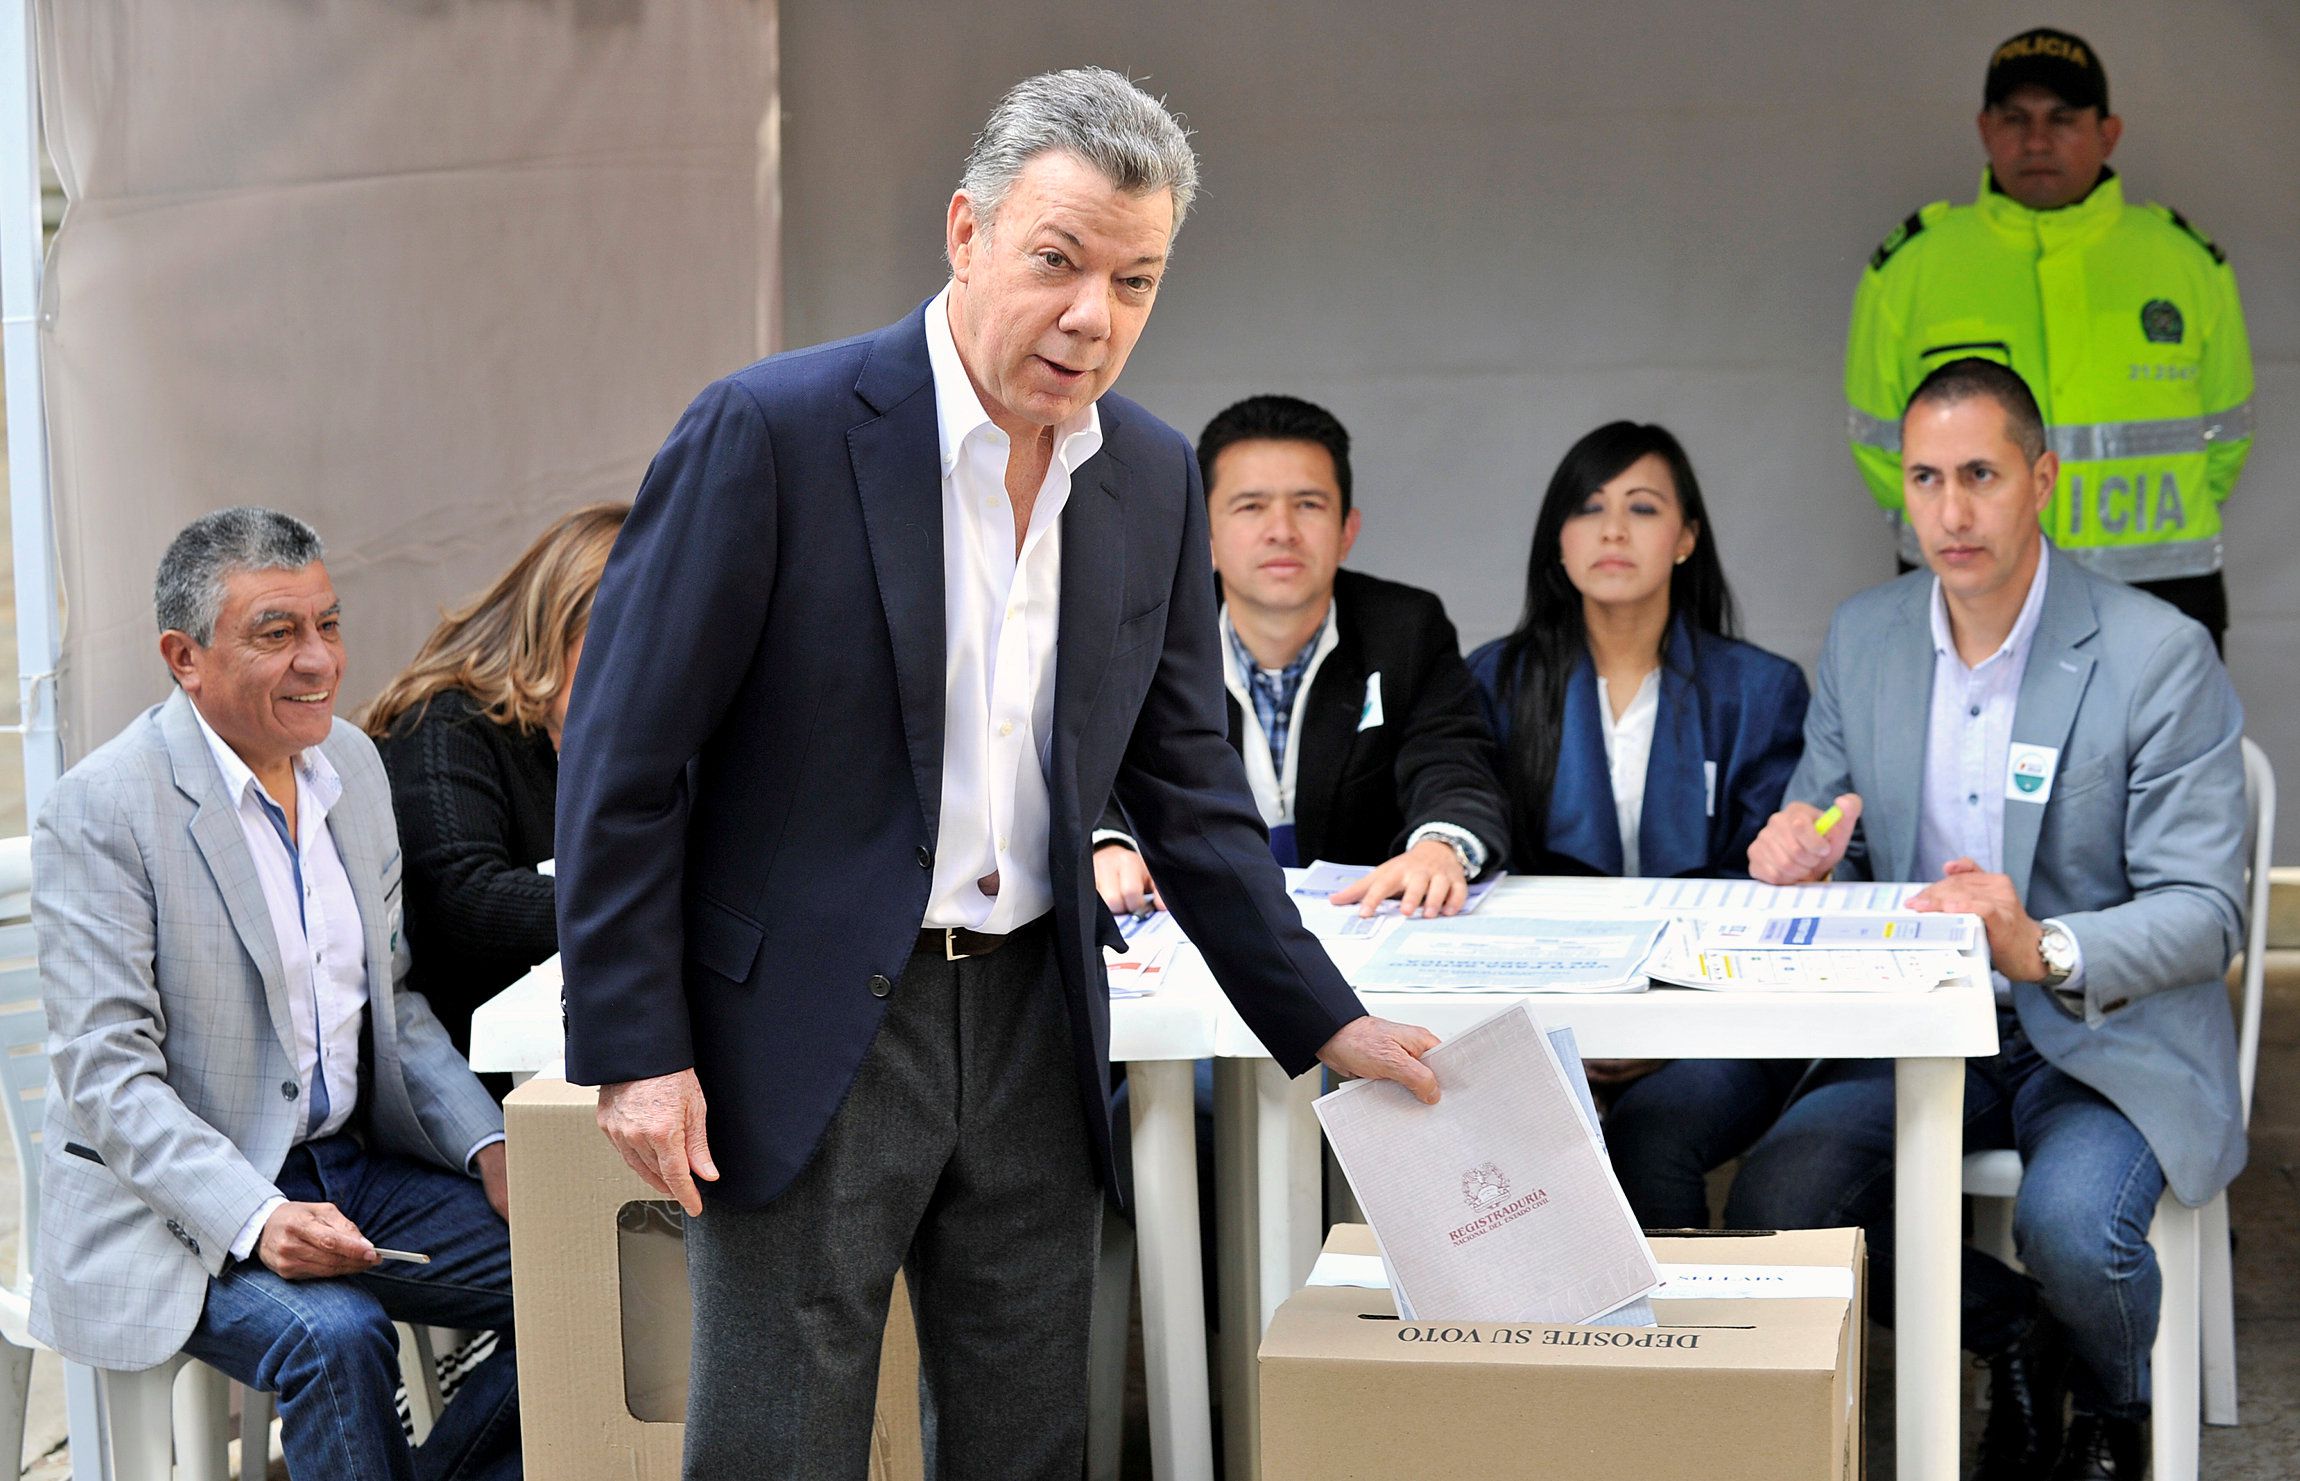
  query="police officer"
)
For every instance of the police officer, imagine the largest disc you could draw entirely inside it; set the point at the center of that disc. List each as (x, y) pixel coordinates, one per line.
(2124, 319)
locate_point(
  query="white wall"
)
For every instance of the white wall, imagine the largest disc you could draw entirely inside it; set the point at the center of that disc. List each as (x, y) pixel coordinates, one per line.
(1477, 231)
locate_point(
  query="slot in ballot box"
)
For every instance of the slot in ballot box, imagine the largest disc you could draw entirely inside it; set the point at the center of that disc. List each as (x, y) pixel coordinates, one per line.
(599, 1286)
(1755, 1378)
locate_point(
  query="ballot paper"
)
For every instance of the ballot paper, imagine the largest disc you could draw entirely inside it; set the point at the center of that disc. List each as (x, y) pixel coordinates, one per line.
(1496, 1204)
(1846, 931)
(1792, 970)
(1150, 941)
(1513, 954)
(1747, 894)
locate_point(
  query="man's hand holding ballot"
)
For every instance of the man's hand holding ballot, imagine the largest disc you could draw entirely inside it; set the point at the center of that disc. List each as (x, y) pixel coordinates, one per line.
(1371, 1048)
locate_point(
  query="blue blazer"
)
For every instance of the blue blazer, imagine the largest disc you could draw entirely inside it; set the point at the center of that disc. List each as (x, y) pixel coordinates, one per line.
(751, 775)
(1723, 703)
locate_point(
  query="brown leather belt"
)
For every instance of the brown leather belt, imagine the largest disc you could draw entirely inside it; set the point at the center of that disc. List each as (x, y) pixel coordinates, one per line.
(953, 943)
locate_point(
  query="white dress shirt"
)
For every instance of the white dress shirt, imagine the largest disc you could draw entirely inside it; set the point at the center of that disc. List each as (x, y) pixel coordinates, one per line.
(323, 950)
(1968, 747)
(1001, 616)
(1628, 750)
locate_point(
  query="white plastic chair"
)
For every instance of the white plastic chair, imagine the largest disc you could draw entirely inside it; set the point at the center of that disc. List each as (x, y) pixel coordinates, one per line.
(2193, 1363)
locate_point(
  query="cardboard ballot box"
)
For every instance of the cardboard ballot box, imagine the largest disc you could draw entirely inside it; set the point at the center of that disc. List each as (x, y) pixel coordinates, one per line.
(599, 1283)
(1730, 1385)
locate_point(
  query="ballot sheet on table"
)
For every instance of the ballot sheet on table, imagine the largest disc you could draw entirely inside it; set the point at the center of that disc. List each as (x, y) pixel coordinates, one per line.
(1513, 954)
(1841, 931)
(1497, 1203)
(1792, 970)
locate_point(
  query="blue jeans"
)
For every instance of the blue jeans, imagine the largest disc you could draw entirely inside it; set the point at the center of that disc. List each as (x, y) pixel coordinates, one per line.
(1669, 1130)
(2089, 1189)
(327, 1348)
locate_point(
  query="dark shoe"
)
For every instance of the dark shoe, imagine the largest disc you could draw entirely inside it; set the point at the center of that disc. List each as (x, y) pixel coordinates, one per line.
(2104, 1450)
(2028, 1385)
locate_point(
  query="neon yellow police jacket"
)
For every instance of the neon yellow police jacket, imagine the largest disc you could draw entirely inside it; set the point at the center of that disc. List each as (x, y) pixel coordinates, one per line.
(2123, 320)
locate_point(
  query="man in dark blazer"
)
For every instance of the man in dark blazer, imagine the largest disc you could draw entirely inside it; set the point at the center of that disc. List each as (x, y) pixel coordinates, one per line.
(1358, 724)
(891, 620)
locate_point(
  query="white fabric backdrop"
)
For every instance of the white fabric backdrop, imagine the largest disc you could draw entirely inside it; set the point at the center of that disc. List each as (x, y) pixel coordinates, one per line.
(425, 274)
(1478, 229)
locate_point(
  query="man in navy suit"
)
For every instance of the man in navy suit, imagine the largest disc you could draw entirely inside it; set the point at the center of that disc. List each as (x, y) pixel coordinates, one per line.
(890, 623)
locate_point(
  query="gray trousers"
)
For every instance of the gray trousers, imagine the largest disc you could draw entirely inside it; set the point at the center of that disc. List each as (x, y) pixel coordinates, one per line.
(961, 1158)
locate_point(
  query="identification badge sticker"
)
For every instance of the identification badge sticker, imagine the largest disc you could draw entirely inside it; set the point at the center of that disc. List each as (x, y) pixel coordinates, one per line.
(2028, 772)
(1370, 713)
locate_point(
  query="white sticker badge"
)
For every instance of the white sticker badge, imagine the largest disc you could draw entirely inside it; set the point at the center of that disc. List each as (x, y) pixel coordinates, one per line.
(2028, 772)
(1370, 713)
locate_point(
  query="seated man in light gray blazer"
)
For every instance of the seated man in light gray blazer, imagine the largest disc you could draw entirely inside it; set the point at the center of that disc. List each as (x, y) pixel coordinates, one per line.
(2061, 753)
(248, 1118)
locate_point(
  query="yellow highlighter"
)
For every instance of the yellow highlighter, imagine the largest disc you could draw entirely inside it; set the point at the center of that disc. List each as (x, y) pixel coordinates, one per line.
(1828, 820)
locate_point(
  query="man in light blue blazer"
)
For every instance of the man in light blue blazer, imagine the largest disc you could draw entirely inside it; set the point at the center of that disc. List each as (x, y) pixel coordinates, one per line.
(2061, 753)
(246, 1112)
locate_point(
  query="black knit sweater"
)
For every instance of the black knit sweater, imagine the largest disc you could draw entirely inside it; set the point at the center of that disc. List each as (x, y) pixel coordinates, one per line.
(474, 801)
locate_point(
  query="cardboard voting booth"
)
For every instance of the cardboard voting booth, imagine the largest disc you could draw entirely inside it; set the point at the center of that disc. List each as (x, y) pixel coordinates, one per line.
(1757, 1379)
(599, 1282)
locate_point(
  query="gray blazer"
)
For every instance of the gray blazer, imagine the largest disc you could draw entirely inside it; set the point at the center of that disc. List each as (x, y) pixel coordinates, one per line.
(172, 1096)
(2138, 847)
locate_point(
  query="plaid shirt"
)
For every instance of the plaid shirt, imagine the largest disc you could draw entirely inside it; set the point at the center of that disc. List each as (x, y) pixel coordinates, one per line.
(1274, 693)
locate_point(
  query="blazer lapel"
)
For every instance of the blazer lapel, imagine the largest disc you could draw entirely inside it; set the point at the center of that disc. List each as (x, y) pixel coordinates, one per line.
(2051, 687)
(1582, 822)
(897, 460)
(359, 839)
(1329, 720)
(1093, 583)
(1904, 700)
(1673, 835)
(215, 830)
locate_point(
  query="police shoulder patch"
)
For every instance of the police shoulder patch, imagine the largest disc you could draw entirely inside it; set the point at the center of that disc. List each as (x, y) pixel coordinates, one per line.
(1896, 239)
(2198, 237)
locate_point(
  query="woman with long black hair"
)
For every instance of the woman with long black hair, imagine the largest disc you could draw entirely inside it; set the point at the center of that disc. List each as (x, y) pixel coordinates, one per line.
(1640, 737)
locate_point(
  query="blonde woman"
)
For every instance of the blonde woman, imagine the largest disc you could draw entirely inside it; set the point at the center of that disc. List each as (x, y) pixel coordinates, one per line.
(470, 735)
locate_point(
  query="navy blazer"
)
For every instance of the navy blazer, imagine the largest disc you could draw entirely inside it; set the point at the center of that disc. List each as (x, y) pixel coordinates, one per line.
(1723, 702)
(751, 776)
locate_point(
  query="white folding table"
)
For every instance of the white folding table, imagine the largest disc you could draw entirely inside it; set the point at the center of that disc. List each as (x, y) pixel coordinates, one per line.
(1271, 1207)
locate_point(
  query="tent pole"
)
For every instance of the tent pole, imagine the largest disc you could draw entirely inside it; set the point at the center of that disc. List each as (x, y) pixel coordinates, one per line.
(30, 515)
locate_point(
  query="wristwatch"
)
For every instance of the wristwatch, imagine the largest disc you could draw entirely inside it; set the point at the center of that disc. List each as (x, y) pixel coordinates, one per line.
(2058, 948)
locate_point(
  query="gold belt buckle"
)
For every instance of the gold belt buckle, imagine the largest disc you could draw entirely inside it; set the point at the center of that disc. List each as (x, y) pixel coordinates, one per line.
(950, 951)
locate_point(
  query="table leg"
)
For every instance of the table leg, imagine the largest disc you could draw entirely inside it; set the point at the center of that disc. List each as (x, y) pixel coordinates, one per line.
(1173, 1285)
(1268, 1167)
(1928, 1138)
(1237, 1246)
(1289, 1171)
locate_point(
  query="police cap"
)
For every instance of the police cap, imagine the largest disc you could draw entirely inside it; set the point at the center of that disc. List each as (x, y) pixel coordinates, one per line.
(2064, 65)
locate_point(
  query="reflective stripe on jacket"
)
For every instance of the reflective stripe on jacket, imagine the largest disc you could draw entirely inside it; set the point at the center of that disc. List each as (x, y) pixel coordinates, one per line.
(2125, 322)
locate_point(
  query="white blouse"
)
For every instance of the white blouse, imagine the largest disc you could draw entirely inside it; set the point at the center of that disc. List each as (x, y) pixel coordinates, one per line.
(1628, 746)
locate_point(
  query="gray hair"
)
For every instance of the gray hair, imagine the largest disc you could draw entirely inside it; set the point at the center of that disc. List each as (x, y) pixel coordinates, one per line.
(1093, 113)
(188, 595)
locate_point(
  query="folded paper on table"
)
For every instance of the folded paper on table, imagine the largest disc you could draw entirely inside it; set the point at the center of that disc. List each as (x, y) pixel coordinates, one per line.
(1497, 1203)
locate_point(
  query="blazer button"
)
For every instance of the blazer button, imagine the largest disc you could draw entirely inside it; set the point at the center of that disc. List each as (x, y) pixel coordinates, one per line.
(880, 987)
(289, 1090)
(925, 857)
